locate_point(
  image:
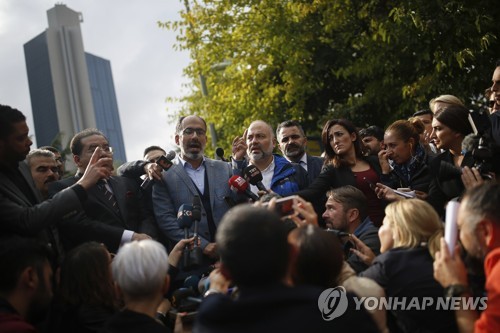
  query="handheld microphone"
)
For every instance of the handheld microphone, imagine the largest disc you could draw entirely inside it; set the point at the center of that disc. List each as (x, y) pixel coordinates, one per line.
(253, 175)
(241, 185)
(165, 162)
(219, 152)
(185, 221)
(197, 253)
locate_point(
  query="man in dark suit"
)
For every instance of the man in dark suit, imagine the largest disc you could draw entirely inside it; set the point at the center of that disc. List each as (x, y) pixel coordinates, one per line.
(193, 174)
(293, 141)
(113, 201)
(23, 211)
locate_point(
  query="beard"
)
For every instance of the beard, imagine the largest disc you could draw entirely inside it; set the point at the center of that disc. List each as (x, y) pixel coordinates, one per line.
(294, 151)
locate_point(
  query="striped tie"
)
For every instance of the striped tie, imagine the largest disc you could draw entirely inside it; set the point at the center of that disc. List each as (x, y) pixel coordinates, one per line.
(101, 185)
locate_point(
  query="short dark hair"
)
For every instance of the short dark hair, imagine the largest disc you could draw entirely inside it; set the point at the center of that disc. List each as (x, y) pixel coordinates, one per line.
(320, 257)
(374, 131)
(247, 227)
(178, 126)
(350, 197)
(290, 123)
(423, 112)
(151, 148)
(16, 254)
(8, 117)
(76, 143)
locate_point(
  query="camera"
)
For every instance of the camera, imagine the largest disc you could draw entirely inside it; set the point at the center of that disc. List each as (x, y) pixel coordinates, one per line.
(484, 150)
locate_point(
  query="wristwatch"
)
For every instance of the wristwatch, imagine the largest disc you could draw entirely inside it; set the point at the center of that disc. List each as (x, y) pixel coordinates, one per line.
(456, 290)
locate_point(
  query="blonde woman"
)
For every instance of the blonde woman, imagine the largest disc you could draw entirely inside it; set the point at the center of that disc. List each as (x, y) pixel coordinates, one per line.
(409, 238)
(444, 101)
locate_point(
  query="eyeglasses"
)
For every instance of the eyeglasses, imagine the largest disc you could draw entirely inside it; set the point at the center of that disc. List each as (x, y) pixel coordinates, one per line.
(491, 103)
(106, 149)
(191, 131)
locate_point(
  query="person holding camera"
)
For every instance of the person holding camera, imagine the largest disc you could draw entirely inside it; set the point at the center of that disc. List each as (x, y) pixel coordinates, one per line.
(346, 213)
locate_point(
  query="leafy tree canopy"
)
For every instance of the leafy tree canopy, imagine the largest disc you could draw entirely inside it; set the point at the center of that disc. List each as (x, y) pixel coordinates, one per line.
(369, 61)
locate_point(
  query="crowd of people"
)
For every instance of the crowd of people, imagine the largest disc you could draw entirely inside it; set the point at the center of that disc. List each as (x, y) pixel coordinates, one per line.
(181, 242)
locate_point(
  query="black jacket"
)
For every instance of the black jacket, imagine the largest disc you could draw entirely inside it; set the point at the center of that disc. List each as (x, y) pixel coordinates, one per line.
(446, 181)
(408, 272)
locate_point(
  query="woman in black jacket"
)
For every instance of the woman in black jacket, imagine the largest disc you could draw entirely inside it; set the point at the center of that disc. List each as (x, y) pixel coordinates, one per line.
(450, 126)
(404, 161)
(345, 165)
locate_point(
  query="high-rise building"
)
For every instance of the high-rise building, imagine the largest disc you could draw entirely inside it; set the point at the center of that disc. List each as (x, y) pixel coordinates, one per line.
(70, 89)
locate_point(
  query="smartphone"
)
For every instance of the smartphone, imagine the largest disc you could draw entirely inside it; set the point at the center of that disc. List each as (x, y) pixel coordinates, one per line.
(284, 206)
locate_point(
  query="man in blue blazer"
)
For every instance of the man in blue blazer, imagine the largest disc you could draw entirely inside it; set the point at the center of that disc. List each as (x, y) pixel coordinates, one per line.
(193, 174)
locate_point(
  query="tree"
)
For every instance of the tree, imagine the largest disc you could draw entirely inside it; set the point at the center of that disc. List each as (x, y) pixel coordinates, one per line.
(370, 61)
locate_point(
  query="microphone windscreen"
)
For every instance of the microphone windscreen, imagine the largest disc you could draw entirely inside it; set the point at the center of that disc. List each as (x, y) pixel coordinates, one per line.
(238, 183)
(185, 216)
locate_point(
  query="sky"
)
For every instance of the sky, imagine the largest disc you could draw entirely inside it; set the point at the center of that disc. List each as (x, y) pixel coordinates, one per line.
(146, 68)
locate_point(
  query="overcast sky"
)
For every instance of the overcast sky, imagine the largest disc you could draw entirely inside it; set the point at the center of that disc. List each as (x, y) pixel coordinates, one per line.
(146, 68)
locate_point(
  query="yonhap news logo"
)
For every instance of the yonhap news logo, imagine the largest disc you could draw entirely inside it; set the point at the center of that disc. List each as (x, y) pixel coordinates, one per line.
(332, 303)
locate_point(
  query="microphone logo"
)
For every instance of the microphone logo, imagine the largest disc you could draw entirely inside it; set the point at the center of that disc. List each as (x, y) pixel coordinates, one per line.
(184, 212)
(332, 303)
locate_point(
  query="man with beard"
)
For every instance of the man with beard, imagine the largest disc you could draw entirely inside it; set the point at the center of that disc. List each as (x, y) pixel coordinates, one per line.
(22, 211)
(193, 174)
(346, 214)
(479, 224)
(278, 174)
(495, 95)
(25, 284)
(292, 142)
(44, 170)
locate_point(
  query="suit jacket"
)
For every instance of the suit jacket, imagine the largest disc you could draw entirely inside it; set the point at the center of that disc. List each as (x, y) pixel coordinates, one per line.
(314, 167)
(19, 216)
(408, 272)
(107, 225)
(446, 184)
(177, 189)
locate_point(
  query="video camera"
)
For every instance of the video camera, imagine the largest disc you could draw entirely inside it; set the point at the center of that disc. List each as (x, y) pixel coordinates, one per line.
(484, 151)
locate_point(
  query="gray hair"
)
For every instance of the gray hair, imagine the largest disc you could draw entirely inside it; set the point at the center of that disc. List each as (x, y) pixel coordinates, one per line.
(140, 268)
(39, 153)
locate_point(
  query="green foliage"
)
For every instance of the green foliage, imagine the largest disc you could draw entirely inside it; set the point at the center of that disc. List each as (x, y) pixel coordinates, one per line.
(370, 61)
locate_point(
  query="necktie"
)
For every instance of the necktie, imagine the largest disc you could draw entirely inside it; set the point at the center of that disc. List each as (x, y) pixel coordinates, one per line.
(101, 185)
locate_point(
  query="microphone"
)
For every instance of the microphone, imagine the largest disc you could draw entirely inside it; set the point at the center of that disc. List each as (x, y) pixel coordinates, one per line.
(197, 253)
(253, 175)
(469, 143)
(185, 220)
(220, 154)
(165, 162)
(241, 186)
